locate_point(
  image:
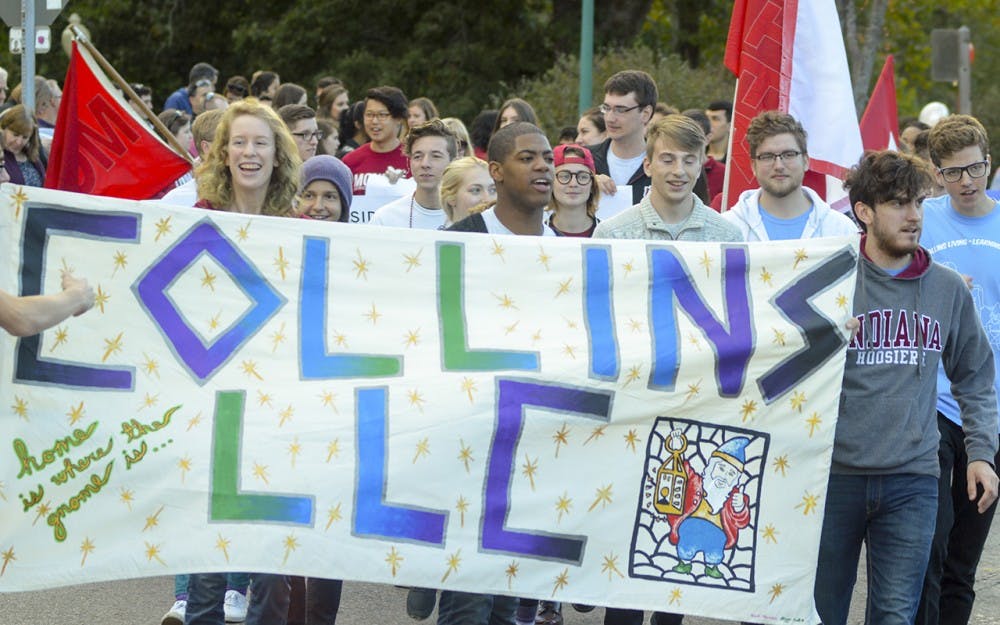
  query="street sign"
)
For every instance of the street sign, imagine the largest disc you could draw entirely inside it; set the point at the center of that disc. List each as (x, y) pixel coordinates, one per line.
(43, 40)
(45, 12)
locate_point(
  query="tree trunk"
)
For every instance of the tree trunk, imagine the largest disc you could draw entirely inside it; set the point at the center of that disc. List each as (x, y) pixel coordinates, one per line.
(862, 46)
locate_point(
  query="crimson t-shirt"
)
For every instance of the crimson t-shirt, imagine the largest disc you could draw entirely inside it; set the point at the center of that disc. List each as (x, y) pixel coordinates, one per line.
(364, 161)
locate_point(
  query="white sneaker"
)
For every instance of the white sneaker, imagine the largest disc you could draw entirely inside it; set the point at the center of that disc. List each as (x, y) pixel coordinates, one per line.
(235, 607)
(176, 614)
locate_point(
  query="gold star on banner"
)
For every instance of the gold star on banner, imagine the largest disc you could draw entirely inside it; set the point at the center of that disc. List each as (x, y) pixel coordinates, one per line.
(747, 409)
(153, 553)
(250, 369)
(208, 279)
(262, 397)
(568, 350)
(260, 472)
(841, 301)
(597, 433)
(462, 505)
(340, 340)
(693, 340)
(675, 596)
(372, 315)
(776, 591)
(570, 323)
(416, 399)
(150, 366)
(631, 439)
(809, 503)
(770, 534)
(563, 504)
(19, 197)
(278, 337)
(244, 232)
(505, 301)
(561, 580)
(693, 391)
(498, 250)
(564, 287)
(508, 330)
(285, 415)
(213, 323)
(423, 449)
(453, 561)
(779, 337)
(328, 398)
(561, 437)
(20, 407)
(332, 450)
(294, 449)
(162, 228)
(8, 557)
(412, 337)
(86, 547)
(412, 260)
(153, 520)
(813, 421)
(706, 262)
(529, 468)
(126, 497)
(394, 560)
(2, 487)
(537, 336)
(333, 515)
(361, 266)
(149, 401)
(62, 334)
(635, 325)
(75, 413)
(765, 276)
(798, 400)
(781, 464)
(222, 544)
(43, 510)
(281, 263)
(291, 544)
(629, 267)
(65, 268)
(543, 258)
(193, 421)
(184, 464)
(510, 572)
(633, 374)
(800, 255)
(465, 454)
(611, 566)
(120, 260)
(469, 385)
(603, 497)
(112, 346)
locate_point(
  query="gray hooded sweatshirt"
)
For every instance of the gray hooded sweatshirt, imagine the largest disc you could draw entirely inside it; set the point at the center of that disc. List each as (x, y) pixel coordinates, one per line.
(910, 323)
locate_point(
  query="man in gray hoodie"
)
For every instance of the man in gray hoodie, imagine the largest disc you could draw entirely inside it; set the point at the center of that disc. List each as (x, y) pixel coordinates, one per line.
(914, 314)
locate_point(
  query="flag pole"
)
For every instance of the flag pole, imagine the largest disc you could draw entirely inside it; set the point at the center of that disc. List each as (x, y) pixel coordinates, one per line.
(113, 74)
(729, 153)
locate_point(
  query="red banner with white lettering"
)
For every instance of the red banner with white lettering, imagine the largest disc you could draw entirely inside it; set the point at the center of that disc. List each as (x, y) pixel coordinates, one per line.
(101, 146)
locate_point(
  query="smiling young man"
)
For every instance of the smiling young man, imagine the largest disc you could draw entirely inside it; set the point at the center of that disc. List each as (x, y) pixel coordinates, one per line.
(883, 484)
(782, 209)
(384, 115)
(962, 230)
(430, 147)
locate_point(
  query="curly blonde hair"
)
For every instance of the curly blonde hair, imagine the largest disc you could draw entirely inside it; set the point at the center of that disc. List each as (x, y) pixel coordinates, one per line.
(215, 181)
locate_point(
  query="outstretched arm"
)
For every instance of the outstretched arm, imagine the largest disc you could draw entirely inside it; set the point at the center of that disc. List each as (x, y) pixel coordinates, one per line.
(25, 316)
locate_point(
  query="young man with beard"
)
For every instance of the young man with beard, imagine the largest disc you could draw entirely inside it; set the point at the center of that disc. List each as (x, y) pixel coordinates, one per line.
(384, 115)
(430, 147)
(782, 208)
(962, 230)
(883, 484)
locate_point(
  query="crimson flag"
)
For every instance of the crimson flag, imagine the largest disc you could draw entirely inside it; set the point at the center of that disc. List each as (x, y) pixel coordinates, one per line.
(880, 123)
(101, 146)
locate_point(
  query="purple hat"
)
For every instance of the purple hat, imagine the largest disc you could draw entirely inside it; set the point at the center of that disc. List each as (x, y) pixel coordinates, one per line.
(332, 169)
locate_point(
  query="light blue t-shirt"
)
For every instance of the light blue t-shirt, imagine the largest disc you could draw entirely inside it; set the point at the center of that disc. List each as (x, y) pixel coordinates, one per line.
(970, 246)
(779, 229)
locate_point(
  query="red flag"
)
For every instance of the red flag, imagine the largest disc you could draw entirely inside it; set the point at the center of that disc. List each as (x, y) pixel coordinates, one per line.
(789, 56)
(880, 123)
(101, 146)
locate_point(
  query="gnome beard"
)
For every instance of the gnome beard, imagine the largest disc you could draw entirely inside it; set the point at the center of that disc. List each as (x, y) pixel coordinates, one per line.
(718, 484)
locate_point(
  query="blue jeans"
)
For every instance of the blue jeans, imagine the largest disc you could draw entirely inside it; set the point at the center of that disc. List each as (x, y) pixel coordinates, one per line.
(466, 608)
(207, 592)
(322, 600)
(894, 516)
(234, 581)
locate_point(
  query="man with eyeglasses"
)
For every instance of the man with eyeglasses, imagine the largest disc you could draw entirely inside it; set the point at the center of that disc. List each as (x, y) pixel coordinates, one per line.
(962, 231)
(182, 100)
(301, 122)
(629, 100)
(384, 115)
(782, 208)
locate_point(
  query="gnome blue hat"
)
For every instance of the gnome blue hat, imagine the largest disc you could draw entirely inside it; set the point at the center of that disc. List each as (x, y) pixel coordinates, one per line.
(733, 451)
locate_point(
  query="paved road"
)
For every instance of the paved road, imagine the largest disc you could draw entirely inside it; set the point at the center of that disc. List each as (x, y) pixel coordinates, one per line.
(144, 601)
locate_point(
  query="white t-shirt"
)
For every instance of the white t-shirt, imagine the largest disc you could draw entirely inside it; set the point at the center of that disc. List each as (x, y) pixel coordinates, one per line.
(183, 195)
(493, 225)
(621, 169)
(406, 213)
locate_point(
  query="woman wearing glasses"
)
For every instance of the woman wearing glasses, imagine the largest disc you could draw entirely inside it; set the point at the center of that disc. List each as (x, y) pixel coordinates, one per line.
(574, 196)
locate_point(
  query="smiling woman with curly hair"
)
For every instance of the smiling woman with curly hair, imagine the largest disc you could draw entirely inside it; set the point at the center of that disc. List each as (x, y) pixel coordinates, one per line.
(253, 164)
